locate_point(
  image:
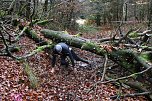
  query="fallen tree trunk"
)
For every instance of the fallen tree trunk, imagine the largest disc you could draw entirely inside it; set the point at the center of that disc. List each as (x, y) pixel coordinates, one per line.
(126, 58)
(33, 35)
(122, 57)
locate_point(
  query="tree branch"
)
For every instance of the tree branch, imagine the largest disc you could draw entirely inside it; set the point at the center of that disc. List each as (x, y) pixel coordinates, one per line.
(105, 66)
(130, 95)
(126, 77)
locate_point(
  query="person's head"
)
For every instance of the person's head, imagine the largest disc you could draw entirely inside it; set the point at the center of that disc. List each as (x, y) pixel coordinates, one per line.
(58, 48)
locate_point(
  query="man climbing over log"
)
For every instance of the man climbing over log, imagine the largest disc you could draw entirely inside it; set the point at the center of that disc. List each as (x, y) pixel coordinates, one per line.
(64, 50)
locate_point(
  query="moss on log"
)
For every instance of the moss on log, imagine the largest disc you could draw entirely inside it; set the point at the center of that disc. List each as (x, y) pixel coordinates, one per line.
(33, 35)
(126, 58)
(44, 22)
(43, 45)
(31, 76)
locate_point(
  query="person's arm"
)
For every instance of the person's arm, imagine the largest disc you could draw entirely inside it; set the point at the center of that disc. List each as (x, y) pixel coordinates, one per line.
(53, 60)
(71, 58)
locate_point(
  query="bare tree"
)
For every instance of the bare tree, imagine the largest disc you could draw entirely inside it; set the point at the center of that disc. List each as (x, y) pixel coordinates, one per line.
(149, 13)
(28, 9)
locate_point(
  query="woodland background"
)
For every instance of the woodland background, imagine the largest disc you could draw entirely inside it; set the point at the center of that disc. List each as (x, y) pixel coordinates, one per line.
(116, 35)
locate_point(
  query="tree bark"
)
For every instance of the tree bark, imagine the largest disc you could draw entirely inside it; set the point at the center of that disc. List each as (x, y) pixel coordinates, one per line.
(128, 59)
(28, 10)
(149, 14)
(125, 58)
(45, 7)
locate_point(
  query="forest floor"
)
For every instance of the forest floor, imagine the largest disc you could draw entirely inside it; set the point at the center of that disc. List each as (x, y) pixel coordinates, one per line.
(58, 85)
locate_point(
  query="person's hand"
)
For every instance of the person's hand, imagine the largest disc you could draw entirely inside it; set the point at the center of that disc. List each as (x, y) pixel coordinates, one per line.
(52, 70)
(75, 70)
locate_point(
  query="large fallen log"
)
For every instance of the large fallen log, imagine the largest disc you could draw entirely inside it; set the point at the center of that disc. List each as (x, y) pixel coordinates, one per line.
(129, 59)
(126, 58)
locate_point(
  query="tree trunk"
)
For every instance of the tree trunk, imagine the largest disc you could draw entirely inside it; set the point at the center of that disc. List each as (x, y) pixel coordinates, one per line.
(98, 19)
(45, 6)
(28, 10)
(125, 58)
(149, 14)
(122, 57)
(125, 10)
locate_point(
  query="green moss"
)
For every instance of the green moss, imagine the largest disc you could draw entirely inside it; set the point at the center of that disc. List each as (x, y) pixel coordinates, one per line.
(16, 49)
(32, 78)
(2, 13)
(93, 47)
(78, 35)
(24, 30)
(44, 22)
(88, 45)
(33, 34)
(146, 56)
(41, 48)
(133, 35)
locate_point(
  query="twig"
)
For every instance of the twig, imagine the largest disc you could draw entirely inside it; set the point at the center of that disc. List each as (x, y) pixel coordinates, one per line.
(105, 66)
(122, 78)
(9, 35)
(125, 36)
(137, 46)
(6, 46)
(119, 28)
(8, 53)
(131, 95)
(126, 77)
(39, 49)
(108, 39)
(146, 32)
(3, 54)
(20, 34)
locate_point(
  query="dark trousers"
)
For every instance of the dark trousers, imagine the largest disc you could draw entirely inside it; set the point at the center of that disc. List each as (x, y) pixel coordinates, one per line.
(78, 58)
(65, 62)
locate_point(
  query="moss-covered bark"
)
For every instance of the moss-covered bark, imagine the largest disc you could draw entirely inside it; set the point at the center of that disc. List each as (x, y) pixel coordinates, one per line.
(33, 35)
(31, 76)
(126, 58)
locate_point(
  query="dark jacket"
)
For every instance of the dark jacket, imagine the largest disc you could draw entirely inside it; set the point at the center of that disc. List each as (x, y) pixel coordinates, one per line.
(66, 51)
